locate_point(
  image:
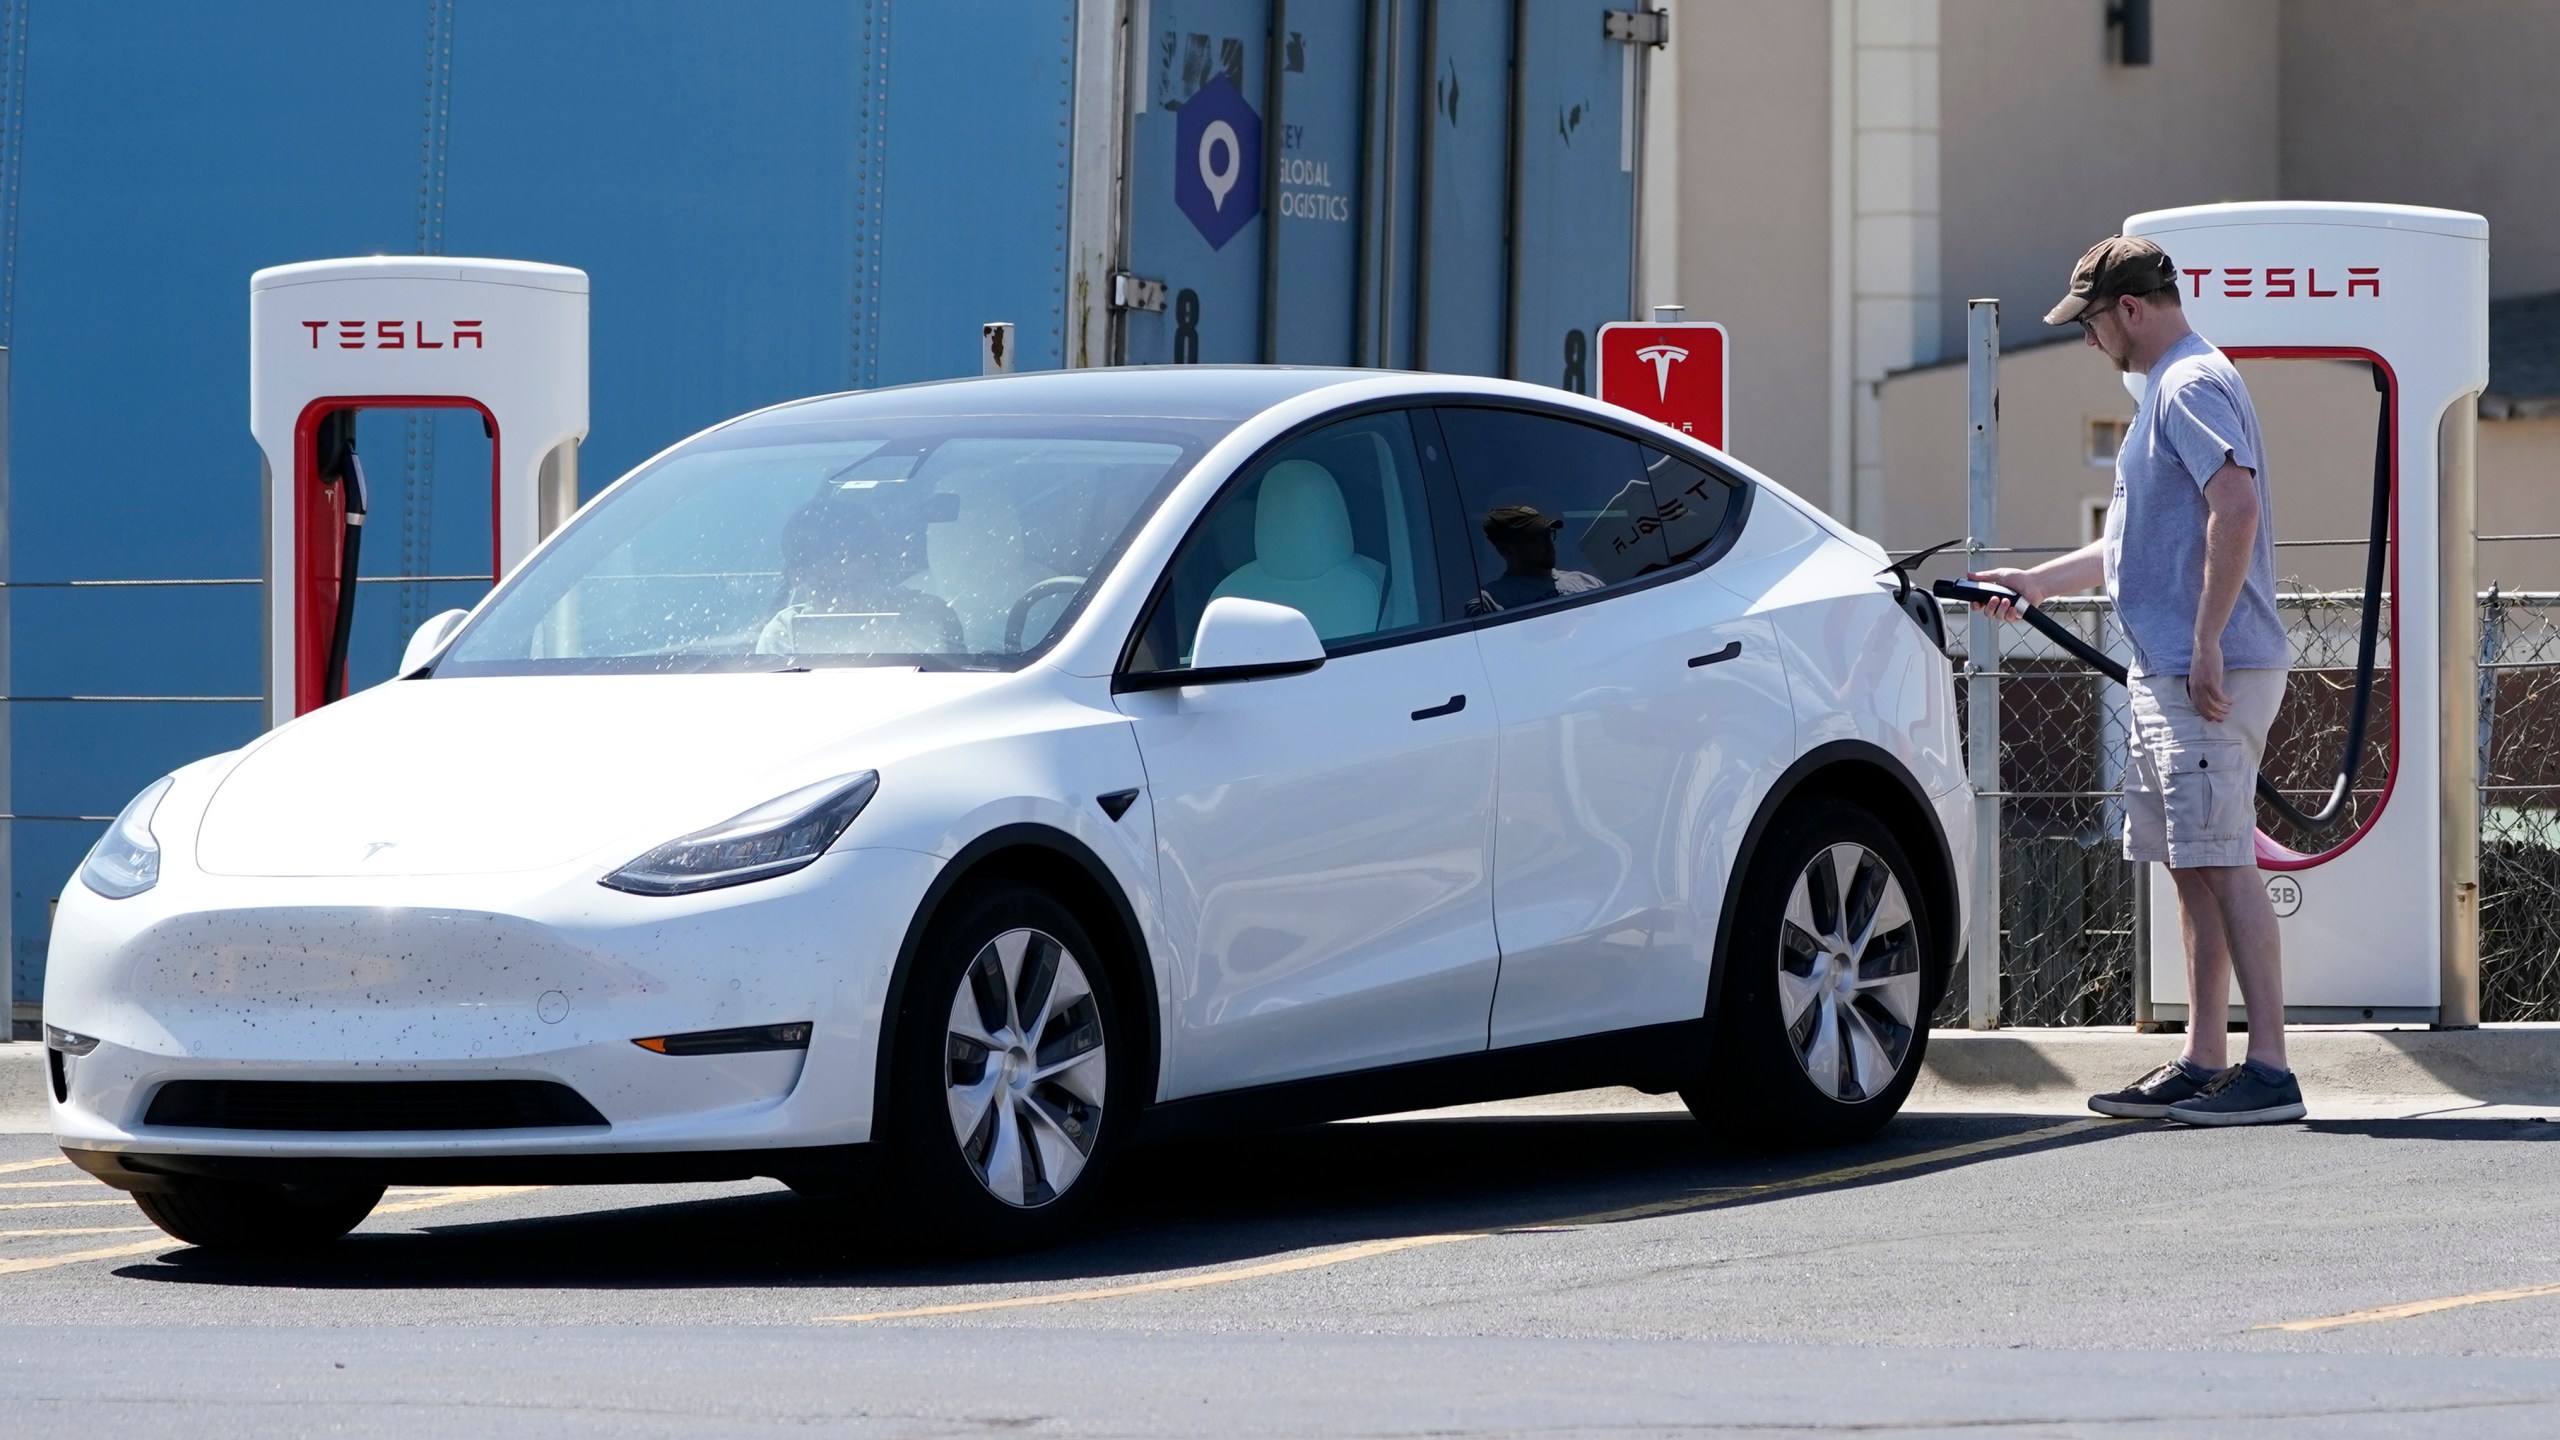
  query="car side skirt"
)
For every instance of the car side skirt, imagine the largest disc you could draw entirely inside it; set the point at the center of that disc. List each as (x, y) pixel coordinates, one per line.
(1649, 1057)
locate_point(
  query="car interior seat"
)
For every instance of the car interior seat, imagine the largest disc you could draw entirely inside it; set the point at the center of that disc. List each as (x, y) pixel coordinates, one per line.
(1303, 557)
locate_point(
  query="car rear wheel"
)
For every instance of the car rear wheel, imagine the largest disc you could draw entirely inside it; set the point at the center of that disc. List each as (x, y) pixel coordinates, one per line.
(1823, 1024)
(227, 1215)
(1007, 1105)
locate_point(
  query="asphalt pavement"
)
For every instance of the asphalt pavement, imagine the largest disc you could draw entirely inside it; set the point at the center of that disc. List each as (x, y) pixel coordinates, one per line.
(1503, 1273)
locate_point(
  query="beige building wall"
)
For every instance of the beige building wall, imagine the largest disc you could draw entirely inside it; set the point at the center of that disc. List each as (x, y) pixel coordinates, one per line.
(2519, 482)
(1755, 205)
(2048, 394)
(2431, 102)
(2047, 145)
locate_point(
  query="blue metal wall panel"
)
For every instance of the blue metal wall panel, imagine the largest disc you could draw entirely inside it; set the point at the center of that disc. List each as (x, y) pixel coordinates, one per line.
(981, 108)
(1576, 228)
(167, 153)
(1318, 190)
(1469, 114)
(724, 175)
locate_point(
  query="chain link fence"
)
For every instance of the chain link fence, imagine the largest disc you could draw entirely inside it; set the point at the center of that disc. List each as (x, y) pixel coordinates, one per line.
(2067, 895)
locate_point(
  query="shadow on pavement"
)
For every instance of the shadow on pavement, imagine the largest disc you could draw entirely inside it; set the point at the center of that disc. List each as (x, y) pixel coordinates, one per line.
(1175, 1208)
(2440, 1127)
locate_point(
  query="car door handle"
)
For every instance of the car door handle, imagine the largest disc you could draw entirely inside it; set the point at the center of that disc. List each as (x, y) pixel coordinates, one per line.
(1731, 649)
(1456, 704)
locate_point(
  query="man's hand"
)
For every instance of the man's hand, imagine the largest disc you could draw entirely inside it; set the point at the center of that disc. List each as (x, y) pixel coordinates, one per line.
(2029, 588)
(2204, 681)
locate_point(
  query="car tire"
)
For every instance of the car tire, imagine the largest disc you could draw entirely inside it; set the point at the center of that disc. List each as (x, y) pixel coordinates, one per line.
(1823, 1020)
(1008, 1090)
(266, 1219)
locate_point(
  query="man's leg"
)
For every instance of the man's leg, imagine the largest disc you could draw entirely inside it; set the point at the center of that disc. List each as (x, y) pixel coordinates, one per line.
(2253, 951)
(2200, 923)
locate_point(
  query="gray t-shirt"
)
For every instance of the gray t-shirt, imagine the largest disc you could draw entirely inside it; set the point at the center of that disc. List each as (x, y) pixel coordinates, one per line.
(2194, 418)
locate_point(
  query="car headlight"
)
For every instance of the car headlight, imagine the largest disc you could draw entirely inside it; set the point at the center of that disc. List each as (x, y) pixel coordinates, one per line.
(775, 838)
(126, 860)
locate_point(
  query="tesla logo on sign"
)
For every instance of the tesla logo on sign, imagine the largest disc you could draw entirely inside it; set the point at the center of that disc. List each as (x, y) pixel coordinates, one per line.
(1663, 358)
(2280, 282)
(395, 334)
(1671, 373)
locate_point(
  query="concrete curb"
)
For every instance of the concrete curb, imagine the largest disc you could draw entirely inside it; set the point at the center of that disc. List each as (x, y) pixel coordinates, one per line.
(2361, 1072)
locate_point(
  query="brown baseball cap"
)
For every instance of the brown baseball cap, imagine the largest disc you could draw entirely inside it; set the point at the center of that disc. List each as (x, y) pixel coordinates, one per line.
(1516, 522)
(2117, 265)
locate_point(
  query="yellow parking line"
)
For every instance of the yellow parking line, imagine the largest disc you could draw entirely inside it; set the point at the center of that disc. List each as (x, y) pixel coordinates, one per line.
(159, 1243)
(111, 1252)
(456, 1197)
(2413, 1308)
(43, 1184)
(14, 1166)
(76, 1230)
(54, 1204)
(1370, 1249)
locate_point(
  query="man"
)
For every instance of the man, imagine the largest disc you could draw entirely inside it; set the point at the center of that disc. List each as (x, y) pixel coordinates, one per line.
(1525, 538)
(2188, 557)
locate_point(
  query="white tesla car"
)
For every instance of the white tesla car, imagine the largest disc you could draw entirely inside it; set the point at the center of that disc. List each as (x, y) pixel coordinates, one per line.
(966, 781)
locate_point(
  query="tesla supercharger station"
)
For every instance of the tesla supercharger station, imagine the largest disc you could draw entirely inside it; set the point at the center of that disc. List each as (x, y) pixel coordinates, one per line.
(2382, 922)
(506, 338)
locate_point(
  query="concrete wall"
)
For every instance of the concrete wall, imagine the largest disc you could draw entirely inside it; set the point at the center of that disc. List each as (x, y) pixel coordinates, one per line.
(1755, 203)
(2434, 103)
(2046, 146)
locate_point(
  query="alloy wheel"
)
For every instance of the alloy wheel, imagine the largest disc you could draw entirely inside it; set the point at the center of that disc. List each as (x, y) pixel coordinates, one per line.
(1849, 972)
(1025, 1066)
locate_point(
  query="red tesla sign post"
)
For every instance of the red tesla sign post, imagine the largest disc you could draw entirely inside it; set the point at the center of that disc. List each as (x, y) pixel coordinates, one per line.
(1674, 373)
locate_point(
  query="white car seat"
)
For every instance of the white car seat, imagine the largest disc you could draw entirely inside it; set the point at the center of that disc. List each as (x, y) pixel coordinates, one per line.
(1303, 557)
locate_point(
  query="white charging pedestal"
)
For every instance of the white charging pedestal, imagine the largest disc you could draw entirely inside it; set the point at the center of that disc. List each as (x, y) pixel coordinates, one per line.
(504, 337)
(2383, 923)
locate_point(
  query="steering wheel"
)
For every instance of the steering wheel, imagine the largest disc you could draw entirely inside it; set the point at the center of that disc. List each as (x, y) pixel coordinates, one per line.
(1021, 613)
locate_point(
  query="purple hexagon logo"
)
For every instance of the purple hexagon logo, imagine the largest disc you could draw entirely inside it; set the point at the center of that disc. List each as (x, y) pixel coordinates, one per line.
(1217, 161)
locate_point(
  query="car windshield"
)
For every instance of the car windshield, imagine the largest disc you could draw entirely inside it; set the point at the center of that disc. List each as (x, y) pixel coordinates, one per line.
(941, 542)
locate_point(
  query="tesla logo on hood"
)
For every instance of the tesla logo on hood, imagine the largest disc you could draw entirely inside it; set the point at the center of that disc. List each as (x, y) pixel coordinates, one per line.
(377, 847)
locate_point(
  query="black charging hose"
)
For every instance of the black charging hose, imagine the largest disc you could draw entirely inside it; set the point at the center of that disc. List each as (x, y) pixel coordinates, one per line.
(333, 685)
(1975, 592)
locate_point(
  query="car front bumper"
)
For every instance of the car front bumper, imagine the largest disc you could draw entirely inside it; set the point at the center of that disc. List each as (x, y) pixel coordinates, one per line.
(477, 978)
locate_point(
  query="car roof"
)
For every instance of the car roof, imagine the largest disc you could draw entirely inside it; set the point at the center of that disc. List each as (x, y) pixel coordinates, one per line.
(1232, 393)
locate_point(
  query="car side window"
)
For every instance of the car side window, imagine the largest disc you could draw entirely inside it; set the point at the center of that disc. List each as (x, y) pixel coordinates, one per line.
(1561, 509)
(1334, 525)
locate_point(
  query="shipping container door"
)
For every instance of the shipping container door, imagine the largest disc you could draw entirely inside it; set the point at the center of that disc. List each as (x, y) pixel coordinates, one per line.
(1574, 226)
(1462, 298)
(1197, 152)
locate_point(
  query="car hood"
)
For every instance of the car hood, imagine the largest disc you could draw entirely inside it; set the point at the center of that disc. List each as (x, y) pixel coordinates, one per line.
(488, 775)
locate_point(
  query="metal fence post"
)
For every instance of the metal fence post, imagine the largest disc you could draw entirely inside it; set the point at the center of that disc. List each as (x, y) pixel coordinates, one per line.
(1982, 665)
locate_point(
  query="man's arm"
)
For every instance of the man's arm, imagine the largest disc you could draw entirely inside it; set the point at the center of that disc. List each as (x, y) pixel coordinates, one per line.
(2230, 532)
(2082, 569)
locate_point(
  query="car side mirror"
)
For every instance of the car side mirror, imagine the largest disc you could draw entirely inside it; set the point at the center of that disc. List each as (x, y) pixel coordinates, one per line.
(1241, 639)
(428, 639)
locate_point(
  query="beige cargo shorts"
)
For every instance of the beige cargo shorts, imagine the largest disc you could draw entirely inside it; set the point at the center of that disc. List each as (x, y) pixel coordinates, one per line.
(2190, 783)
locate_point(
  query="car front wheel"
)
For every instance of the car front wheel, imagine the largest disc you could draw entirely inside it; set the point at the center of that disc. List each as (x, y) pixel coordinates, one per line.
(1006, 1102)
(1822, 1028)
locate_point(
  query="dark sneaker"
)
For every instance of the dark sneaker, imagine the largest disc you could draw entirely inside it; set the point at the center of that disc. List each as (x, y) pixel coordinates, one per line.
(2242, 1095)
(2150, 1097)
